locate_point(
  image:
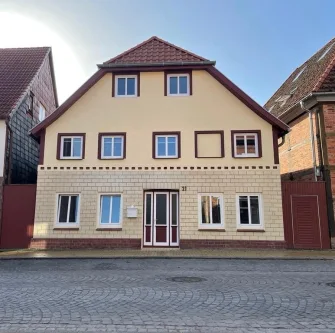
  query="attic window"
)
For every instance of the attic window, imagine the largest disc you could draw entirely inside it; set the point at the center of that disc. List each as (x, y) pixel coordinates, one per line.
(324, 53)
(296, 78)
(293, 90)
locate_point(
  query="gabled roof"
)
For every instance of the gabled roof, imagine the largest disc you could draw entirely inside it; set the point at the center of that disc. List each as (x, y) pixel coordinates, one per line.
(18, 67)
(314, 75)
(155, 50)
(143, 64)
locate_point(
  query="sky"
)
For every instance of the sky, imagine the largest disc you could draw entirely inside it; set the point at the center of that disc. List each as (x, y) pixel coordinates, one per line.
(256, 43)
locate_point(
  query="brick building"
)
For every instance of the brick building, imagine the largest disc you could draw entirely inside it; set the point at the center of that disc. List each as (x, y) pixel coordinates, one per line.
(159, 148)
(306, 102)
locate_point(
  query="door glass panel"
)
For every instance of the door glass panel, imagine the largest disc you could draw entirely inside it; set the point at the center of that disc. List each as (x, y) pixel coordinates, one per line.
(161, 209)
(174, 209)
(148, 209)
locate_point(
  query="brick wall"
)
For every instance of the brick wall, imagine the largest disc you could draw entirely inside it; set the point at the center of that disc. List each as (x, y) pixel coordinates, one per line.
(25, 150)
(296, 154)
(132, 183)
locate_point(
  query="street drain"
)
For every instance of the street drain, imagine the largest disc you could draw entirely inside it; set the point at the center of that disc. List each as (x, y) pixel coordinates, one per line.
(187, 279)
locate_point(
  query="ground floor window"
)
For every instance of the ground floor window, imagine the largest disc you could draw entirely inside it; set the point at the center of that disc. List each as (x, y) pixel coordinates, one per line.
(210, 210)
(68, 209)
(249, 210)
(110, 210)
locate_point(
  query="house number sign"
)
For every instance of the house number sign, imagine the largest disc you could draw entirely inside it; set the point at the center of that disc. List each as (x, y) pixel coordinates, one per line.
(184, 188)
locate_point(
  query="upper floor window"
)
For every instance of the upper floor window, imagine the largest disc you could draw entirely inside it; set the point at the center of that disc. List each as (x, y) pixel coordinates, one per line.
(178, 84)
(71, 146)
(166, 145)
(126, 85)
(112, 145)
(41, 113)
(246, 144)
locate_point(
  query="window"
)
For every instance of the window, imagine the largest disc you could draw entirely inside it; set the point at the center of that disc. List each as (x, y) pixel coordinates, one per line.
(246, 144)
(166, 145)
(71, 146)
(178, 84)
(126, 85)
(41, 113)
(325, 53)
(112, 145)
(210, 211)
(249, 210)
(68, 209)
(110, 210)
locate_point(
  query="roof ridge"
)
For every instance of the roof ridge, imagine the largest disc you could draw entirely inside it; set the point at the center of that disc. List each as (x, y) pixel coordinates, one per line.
(324, 75)
(149, 40)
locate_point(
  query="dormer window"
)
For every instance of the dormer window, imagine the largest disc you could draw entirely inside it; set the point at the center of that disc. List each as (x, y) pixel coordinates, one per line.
(178, 84)
(126, 85)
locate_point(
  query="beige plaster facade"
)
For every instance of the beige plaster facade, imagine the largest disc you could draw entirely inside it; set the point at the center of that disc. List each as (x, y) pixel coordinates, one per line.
(211, 107)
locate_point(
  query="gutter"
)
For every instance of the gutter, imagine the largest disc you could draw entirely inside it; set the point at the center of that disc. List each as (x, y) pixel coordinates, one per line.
(158, 64)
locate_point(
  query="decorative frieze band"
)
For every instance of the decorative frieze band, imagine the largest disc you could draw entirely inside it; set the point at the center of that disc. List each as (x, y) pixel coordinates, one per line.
(152, 168)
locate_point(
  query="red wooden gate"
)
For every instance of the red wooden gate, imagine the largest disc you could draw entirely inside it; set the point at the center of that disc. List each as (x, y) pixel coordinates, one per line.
(305, 215)
(18, 210)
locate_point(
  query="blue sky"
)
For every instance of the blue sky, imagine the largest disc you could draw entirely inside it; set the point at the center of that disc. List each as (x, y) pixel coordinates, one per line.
(256, 43)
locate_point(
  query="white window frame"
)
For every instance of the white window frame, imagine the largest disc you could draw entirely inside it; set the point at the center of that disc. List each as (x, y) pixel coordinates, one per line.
(109, 225)
(67, 224)
(62, 147)
(41, 115)
(238, 218)
(117, 77)
(178, 76)
(210, 225)
(246, 154)
(103, 147)
(166, 146)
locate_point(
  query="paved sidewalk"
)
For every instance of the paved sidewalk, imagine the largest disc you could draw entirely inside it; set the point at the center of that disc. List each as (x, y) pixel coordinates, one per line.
(170, 253)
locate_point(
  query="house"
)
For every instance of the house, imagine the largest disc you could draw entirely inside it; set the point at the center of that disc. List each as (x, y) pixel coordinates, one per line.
(27, 95)
(158, 148)
(306, 102)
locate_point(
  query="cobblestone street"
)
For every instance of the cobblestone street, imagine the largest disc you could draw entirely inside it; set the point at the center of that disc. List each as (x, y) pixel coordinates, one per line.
(167, 295)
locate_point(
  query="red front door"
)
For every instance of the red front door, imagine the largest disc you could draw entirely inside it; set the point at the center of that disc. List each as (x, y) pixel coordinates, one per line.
(161, 217)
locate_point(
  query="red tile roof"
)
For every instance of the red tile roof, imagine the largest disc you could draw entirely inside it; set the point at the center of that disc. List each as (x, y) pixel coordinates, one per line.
(155, 50)
(316, 74)
(18, 67)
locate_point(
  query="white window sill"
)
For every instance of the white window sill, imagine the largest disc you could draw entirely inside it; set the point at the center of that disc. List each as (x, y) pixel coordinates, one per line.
(109, 226)
(211, 227)
(67, 226)
(247, 228)
(246, 156)
(112, 158)
(178, 95)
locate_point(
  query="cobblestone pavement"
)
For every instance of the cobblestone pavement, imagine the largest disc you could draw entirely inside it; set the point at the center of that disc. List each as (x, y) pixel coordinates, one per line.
(167, 295)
